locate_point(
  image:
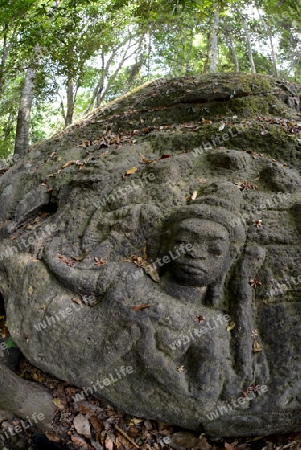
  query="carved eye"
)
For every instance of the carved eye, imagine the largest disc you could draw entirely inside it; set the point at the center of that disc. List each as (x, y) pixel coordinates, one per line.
(181, 241)
(215, 250)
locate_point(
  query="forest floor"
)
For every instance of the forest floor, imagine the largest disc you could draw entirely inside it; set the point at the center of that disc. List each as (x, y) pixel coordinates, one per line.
(92, 424)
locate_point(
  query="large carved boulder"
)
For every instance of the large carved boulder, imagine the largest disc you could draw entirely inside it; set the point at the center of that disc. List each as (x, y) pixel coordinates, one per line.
(151, 253)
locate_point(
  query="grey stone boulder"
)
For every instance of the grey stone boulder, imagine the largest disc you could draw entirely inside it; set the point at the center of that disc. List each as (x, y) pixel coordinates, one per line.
(151, 254)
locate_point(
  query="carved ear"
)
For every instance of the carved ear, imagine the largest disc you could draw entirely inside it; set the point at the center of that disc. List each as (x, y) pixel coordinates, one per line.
(214, 292)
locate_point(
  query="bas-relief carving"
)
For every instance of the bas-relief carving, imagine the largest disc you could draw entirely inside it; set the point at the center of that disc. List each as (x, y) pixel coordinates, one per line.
(210, 277)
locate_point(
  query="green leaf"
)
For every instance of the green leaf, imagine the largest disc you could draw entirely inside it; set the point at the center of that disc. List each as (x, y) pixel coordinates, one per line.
(10, 343)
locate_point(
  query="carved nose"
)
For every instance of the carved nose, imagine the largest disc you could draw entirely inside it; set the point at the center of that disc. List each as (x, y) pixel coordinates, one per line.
(197, 252)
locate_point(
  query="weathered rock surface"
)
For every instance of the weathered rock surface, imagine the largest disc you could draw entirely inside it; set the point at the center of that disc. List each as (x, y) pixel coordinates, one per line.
(161, 272)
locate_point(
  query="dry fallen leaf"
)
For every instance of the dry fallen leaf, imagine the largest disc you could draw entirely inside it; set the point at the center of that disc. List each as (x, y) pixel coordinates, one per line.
(124, 434)
(199, 318)
(230, 326)
(229, 446)
(187, 439)
(143, 264)
(135, 421)
(77, 440)
(97, 426)
(245, 185)
(194, 195)
(109, 444)
(145, 160)
(152, 272)
(85, 144)
(82, 425)
(137, 260)
(76, 300)
(131, 171)
(43, 214)
(254, 283)
(66, 260)
(257, 223)
(58, 403)
(99, 261)
(69, 163)
(52, 436)
(191, 197)
(257, 347)
(81, 257)
(139, 307)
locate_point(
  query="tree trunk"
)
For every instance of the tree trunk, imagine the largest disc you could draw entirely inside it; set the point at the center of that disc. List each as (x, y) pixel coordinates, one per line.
(110, 79)
(273, 53)
(3, 56)
(23, 120)
(99, 96)
(214, 42)
(70, 102)
(248, 36)
(269, 33)
(234, 53)
(25, 399)
(205, 67)
(5, 51)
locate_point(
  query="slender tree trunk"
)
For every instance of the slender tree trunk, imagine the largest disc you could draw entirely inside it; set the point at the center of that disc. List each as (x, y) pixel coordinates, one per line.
(273, 53)
(100, 90)
(250, 53)
(99, 97)
(6, 48)
(234, 53)
(70, 102)
(206, 63)
(4, 56)
(112, 77)
(293, 54)
(92, 100)
(214, 42)
(25, 399)
(23, 120)
(8, 127)
(269, 33)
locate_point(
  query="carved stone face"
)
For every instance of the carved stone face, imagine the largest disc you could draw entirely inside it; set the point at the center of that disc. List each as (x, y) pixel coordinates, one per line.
(209, 256)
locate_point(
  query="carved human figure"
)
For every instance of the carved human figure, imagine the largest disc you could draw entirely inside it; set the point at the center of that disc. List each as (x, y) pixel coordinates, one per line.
(192, 283)
(207, 245)
(204, 246)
